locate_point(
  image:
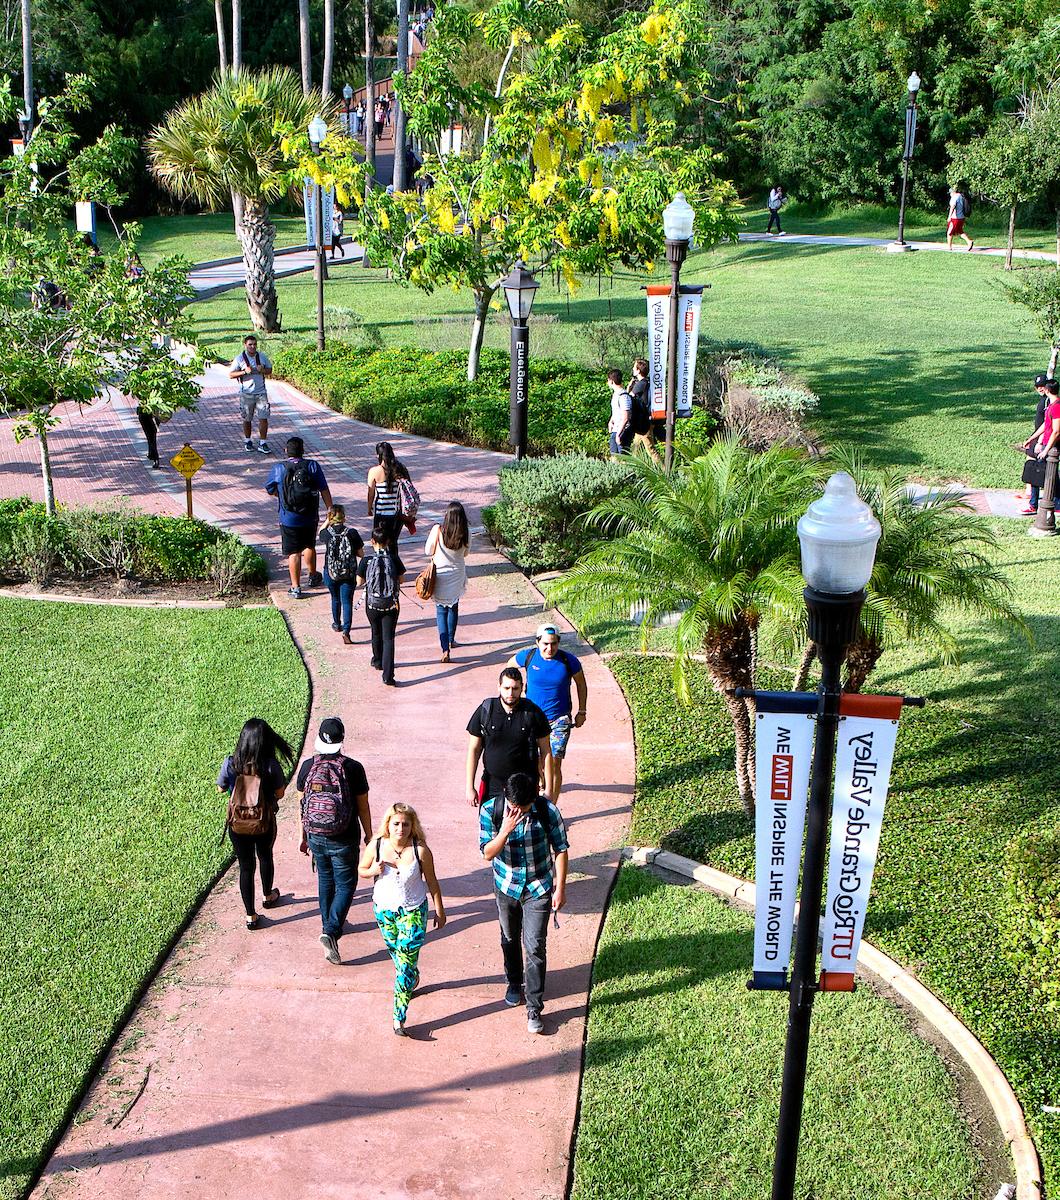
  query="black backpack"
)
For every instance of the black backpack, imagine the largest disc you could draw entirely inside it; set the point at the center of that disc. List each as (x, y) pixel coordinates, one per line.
(640, 413)
(340, 558)
(967, 205)
(539, 812)
(485, 720)
(297, 491)
(380, 581)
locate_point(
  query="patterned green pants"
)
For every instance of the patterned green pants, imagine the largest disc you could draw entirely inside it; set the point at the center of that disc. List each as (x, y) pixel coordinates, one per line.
(403, 930)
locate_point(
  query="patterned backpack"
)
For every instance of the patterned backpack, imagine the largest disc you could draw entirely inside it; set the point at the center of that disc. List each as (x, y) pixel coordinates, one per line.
(326, 806)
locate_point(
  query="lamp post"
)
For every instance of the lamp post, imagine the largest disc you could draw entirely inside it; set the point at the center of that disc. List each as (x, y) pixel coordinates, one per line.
(519, 289)
(318, 130)
(347, 101)
(678, 218)
(838, 535)
(913, 86)
(400, 178)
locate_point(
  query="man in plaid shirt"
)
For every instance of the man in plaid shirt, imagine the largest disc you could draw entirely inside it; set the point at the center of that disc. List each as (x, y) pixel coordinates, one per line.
(519, 833)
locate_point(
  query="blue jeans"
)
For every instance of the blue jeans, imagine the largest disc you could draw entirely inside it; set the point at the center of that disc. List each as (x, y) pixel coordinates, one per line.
(447, 616)
(525, 921)
(341, 601)
(336, 864)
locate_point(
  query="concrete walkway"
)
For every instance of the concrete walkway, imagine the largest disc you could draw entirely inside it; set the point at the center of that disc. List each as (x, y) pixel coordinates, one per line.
(265, 1071)
(222, 274)
(820, 239)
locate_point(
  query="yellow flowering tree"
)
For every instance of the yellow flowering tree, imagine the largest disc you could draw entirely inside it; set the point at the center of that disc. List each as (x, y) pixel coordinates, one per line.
(574, 157)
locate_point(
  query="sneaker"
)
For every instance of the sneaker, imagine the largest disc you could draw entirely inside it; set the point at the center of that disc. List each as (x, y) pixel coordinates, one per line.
(399, 1029)
(1028, 512)
(315, 579)
(248, 446)
(534, 1024)
(155, 465)
(295, 593)
(336, 626)
(331, 949)
(513, 997)
(264, 447)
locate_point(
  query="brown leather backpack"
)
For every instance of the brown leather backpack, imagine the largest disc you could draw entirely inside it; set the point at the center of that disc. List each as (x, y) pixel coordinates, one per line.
(249, 811)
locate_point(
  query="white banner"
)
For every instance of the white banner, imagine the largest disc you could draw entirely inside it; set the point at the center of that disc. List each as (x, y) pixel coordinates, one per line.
(784, 728)
(309, 204)
(868, 727)
(689, 306)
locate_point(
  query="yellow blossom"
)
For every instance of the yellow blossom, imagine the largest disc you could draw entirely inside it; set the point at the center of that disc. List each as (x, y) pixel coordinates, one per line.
(384, 218)
(446, 220)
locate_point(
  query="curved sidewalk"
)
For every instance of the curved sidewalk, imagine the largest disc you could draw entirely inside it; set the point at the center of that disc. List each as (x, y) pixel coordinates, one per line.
(253, 1068)
(827, 239)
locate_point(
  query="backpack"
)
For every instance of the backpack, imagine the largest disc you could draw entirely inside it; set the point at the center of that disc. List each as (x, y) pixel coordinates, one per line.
(485, 719)
(297, 491)
(326, 805)
(539, 812)
(561, 655)
(340, 558)
(249, 812)
(640, 413)
(380, 581)
(967, 205)
(408, 498)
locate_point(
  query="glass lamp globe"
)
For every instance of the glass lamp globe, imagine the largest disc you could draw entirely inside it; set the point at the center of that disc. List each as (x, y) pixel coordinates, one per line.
(519, 288)
(838, 535)
(913, 84)
(347, 93)
(678, 217)
(318, 130)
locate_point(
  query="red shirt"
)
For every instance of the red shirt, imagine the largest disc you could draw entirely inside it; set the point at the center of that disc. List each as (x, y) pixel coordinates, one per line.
(1052, 413)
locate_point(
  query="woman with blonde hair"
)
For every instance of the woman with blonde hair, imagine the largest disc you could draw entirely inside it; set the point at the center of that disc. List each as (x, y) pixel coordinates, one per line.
(400, 861)
(343, 546)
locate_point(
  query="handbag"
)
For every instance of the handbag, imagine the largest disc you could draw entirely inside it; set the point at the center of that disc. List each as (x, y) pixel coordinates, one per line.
(425, 582)
(1034, 471)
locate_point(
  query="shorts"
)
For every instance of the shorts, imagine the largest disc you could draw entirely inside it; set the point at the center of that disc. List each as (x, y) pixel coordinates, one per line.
(560, 735)
(955, 225)
(296, 538)
(254, 406)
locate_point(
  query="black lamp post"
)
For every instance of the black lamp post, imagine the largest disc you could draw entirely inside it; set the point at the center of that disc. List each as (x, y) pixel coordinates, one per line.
(519, 289)
(913, 85)
(347, 101)
(318, 131)
(838, 535)
(678, 218)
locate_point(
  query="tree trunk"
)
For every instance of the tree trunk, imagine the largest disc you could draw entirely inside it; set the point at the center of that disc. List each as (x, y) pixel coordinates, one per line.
(237, 36)
(222, 44)
(1011, 237)
(257, 235)
(729, 653)
(46, 472)
(862, 658)
(483, 296)
(27, 63)
(400, 180)
(369, 88)
(1053, 355)
(802, 671)
(303, 46)
(329, 46)
(741, 726)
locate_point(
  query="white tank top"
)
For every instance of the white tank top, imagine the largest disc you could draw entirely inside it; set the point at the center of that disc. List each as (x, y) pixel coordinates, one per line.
(399, 887)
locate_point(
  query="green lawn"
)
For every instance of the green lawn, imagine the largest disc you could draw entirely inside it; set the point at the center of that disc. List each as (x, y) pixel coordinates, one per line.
(113, 723)
(683, 1067)
(970, 773)
(200, 236)
(919, 358)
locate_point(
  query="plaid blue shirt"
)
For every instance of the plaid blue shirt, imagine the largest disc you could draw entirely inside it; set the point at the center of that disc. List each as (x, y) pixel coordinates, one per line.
(525, 863)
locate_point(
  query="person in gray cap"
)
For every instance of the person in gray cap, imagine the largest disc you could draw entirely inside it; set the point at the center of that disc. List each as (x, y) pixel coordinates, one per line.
(333, 790)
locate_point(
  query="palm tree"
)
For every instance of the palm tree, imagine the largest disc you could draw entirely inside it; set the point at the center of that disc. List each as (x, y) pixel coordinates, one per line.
(304, 52)
(715, 541)
(225, 141)
(931, 561)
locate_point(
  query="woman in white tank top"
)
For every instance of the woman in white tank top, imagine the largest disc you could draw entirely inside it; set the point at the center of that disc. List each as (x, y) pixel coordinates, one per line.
(401, 863)
(446, 547)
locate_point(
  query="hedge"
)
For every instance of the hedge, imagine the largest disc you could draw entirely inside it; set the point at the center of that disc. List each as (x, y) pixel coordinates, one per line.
(1033, 887)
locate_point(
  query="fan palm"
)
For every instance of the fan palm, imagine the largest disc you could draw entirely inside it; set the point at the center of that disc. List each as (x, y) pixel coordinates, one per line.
(931, 561)
(715, 541)
(226, 141)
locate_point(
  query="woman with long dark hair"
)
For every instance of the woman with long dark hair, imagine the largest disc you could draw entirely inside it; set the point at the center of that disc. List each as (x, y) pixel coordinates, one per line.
(384, 492)
(382, 571)
(255, 782)
(447, 546)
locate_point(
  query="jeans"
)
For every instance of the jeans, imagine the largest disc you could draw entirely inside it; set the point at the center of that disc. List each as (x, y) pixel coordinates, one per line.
(774, 215)
(248, 849)
(336, 864)
(384, 625)
(525, 919)
(341, 601)
(448, 617)
(1035, 493)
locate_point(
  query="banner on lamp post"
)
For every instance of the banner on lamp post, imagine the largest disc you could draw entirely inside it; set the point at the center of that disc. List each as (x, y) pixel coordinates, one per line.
(309, 204)
(868, 729)
(689, 306)
(658, 328)
(784, 728)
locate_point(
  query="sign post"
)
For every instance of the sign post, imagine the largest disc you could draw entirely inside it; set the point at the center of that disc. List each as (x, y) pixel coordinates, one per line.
(187, 461)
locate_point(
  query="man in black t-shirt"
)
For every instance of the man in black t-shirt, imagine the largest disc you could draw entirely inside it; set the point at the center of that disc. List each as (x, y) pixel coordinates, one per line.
(509, 734)
(335, 855)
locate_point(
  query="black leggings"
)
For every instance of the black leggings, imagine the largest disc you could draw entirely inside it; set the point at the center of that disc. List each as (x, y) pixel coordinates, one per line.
(247, 850)
(149, 425)
(774, 215)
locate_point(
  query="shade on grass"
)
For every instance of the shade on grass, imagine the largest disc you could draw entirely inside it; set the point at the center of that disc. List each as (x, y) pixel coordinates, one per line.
(113, 723)
(683, 1066)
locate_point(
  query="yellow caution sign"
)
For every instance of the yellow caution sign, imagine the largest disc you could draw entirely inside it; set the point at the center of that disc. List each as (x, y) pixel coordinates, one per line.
(187, 461)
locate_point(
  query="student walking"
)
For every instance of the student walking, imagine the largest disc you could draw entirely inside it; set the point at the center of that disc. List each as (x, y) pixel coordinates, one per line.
(337, 222)
(522, 834)
(509, 735)
(382, 572)
(620, 426)
(960, 211)
(251, 368)
(644, 427)
(384, 490)
(343, 546)
(549, 673)
(333, 790)
(255, 782)
(149, 423)
(402, 865)
(298, 485)
(447, 547)
(774, 204)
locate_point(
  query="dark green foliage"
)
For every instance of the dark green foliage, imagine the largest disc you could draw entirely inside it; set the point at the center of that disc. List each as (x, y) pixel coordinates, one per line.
(542, 499)
(1033, 935)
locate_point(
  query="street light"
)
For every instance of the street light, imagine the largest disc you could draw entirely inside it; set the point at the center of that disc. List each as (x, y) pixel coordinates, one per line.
(519, 289)
(678, 218)
(347, 99)
(318, 131)
(838, 536)
(912, 86)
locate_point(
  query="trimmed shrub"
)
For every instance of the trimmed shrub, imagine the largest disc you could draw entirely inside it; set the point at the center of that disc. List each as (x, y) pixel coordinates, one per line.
(39, 544)
(542, 499)
(1032, 877)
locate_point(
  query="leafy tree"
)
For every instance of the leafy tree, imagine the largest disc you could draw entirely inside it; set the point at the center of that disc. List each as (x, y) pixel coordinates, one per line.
(569, 159)
(72, 323)
(714, 540)
(1038, 290)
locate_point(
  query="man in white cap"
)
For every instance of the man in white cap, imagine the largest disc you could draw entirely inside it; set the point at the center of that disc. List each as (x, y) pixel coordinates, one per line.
(333, 790)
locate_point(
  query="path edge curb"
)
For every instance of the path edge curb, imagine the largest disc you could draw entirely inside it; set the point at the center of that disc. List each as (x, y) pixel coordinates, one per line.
(1002, 1099)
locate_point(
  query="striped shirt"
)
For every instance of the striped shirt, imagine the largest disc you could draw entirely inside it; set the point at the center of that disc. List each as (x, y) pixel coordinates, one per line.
(387, 500)
(525, 863)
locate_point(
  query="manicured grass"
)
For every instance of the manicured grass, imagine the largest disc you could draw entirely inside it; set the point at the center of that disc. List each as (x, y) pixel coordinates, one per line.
(972, 770)
(683, 1068)
(200, 237)
(113, 723)
(920, 359)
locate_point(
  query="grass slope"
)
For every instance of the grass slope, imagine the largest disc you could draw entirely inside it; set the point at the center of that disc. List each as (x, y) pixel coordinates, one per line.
(972, 769)
(200, 237)
(113, 723)
(683, 1067)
